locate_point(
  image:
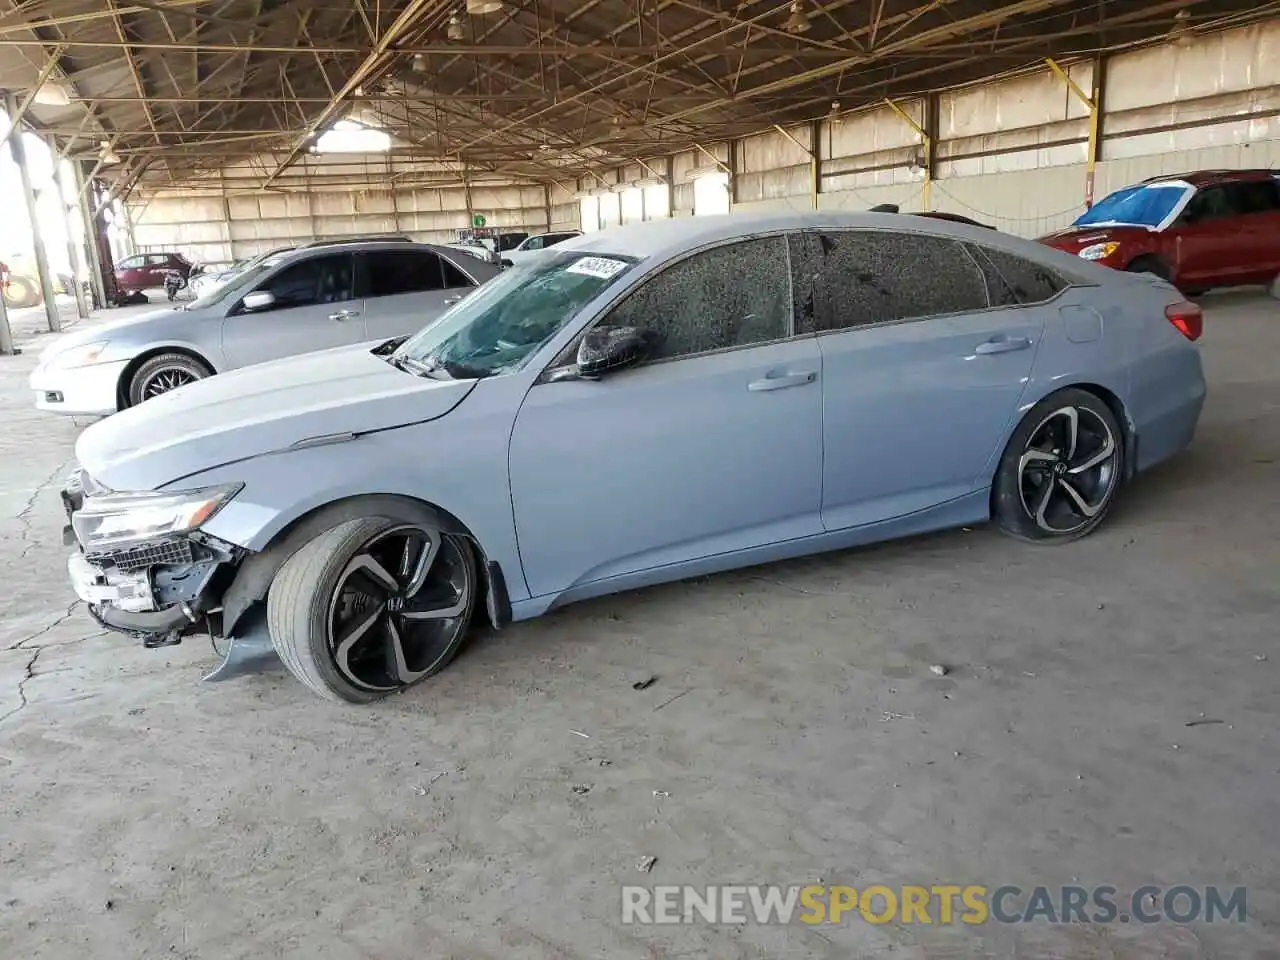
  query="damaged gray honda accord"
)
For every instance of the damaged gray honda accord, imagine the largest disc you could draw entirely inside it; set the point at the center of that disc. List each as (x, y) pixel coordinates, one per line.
(659, 401)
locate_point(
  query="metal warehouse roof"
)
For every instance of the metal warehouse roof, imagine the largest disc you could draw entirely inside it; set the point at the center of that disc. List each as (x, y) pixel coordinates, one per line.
(536, 88)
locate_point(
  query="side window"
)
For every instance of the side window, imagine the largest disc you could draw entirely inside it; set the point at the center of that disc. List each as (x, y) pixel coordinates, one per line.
(1253, 196)
(392, 272)
(157, 260)
(875, 276)
(453, 277)
(317, 280)
(806, 280)
(533, 243)
(729, 296)
(1026, 280)
(132, 263)
(1209, 203)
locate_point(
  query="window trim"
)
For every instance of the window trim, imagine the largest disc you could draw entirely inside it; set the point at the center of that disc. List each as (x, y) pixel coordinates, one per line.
(608, 308)
(826, 299)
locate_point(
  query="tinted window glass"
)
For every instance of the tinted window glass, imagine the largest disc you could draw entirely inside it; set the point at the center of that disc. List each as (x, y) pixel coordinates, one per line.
(999, 290)
(729, 296)
(1252, 196)
(555, 238)
(1209, 203)
(1031, 282)
(453, 277)
(874, 276)
(402, 271)
(806, 276)
(318, 280)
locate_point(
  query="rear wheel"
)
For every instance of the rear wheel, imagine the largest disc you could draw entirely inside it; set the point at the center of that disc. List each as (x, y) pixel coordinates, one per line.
(1060, 470)
(372, 607)
(1150, 264)
(163, 373)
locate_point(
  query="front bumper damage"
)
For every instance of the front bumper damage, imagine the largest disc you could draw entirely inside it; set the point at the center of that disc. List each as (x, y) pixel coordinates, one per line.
(161, 591)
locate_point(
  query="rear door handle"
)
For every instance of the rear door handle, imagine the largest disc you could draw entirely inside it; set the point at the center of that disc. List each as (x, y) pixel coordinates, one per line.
(1002, 345)
(344, 314)
(782, 380)
(450, 301)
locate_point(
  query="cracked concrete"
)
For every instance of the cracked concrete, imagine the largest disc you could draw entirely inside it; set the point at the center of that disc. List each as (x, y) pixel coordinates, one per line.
(804, 736)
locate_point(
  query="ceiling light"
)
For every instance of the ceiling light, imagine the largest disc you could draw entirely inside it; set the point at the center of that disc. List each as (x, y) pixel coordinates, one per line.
(106, 155)
(455, 30)
(419, 63)
(480, 7)
(798, 22)
(1181, 33)
(52, 94)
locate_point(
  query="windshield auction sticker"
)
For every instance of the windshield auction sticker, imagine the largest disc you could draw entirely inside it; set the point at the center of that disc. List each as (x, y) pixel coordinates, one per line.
(601, 267)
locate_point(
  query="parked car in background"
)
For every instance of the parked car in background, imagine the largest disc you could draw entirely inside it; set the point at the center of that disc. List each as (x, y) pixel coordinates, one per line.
(659, 401)
(213, 275)
(539, 241)
(146, 271)
(474, 248)
(295, 302)
(1214, 228)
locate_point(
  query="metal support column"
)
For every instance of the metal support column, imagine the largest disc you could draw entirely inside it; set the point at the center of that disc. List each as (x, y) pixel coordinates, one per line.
(815, 162)
(90, 237)
(926, 148)
(546, 202)
(59, 185)
(1094, 104)
(7, 348)
(18, 150)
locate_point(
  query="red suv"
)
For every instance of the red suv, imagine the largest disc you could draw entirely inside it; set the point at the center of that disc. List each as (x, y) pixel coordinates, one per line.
(1215, 228)
(145, 271)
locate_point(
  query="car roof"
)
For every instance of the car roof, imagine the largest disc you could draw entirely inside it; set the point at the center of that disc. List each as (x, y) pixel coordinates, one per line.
(664, 238)
(1200, 178)
(463, 261)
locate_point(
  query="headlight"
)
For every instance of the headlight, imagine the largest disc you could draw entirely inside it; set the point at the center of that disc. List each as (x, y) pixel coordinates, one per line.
(80, 356)
(115, 518)
(1098, 251)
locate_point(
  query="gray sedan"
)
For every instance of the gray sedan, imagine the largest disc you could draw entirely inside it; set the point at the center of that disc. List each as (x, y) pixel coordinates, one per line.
(296, 302)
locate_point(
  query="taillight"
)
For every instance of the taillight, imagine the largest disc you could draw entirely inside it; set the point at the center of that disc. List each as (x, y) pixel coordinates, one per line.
(1187, 317)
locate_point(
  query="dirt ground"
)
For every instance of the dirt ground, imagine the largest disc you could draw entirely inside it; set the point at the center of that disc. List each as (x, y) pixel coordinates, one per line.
(795, 725)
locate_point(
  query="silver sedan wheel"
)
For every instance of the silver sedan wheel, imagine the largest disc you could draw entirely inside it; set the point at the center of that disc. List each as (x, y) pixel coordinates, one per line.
(1067, 471)
(398, 607)
(166, 379)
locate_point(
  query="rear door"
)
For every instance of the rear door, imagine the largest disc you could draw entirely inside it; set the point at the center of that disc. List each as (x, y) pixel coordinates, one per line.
(406, 289)
(315, 309)
(1255, 243)
(925, 355)
(1206, 247)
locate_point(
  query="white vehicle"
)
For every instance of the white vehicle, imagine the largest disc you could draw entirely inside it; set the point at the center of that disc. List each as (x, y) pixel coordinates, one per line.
(539, 241)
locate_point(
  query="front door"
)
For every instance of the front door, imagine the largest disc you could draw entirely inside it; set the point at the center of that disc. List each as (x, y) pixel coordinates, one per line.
(1206, 244)
(710, 446)
(922, 375)
(315, 308)
(404, 290)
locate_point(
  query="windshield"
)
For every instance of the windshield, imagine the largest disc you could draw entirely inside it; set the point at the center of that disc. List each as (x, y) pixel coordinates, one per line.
(250, 272)
(507, 319)
(1147, 205)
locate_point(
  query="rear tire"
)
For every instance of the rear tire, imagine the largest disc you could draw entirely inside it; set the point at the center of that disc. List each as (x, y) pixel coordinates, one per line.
(1060, 471)
(372, 607)
(163, 373)
(22, 292)
(1150, 263)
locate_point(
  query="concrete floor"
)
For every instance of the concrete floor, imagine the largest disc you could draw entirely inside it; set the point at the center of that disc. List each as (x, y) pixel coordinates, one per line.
(143, 814)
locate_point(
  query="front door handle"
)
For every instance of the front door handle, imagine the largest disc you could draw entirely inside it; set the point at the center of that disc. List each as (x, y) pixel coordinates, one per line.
(781, 381)
(450, 301)
(1002, 345)
(344, 314)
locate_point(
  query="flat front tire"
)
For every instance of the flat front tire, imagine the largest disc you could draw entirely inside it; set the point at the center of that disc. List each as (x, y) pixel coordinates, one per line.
(1060, 471)
(372, 606)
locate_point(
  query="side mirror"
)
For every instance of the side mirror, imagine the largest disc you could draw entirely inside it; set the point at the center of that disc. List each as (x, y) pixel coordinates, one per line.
(611, 348)
(259, 300)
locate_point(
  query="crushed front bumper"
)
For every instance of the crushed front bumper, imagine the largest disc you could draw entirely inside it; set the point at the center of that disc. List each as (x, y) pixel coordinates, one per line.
(157, 591)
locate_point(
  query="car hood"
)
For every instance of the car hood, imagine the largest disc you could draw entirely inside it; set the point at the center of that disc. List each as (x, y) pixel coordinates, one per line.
(1074, 239)
(106, 331)
(261, 409)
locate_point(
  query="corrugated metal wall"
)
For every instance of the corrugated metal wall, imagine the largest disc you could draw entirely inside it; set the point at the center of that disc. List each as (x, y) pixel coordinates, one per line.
(1010, 153)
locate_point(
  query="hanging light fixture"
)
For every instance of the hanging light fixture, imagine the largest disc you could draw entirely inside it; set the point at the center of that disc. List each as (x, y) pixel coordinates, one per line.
(52, 94)
(419, 63)
(477, 8)
(455, 31)
(106, 155)
(1181, 33)
(798, 22)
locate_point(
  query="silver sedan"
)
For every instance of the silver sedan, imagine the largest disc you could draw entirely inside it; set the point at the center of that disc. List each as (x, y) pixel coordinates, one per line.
(295, 302)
